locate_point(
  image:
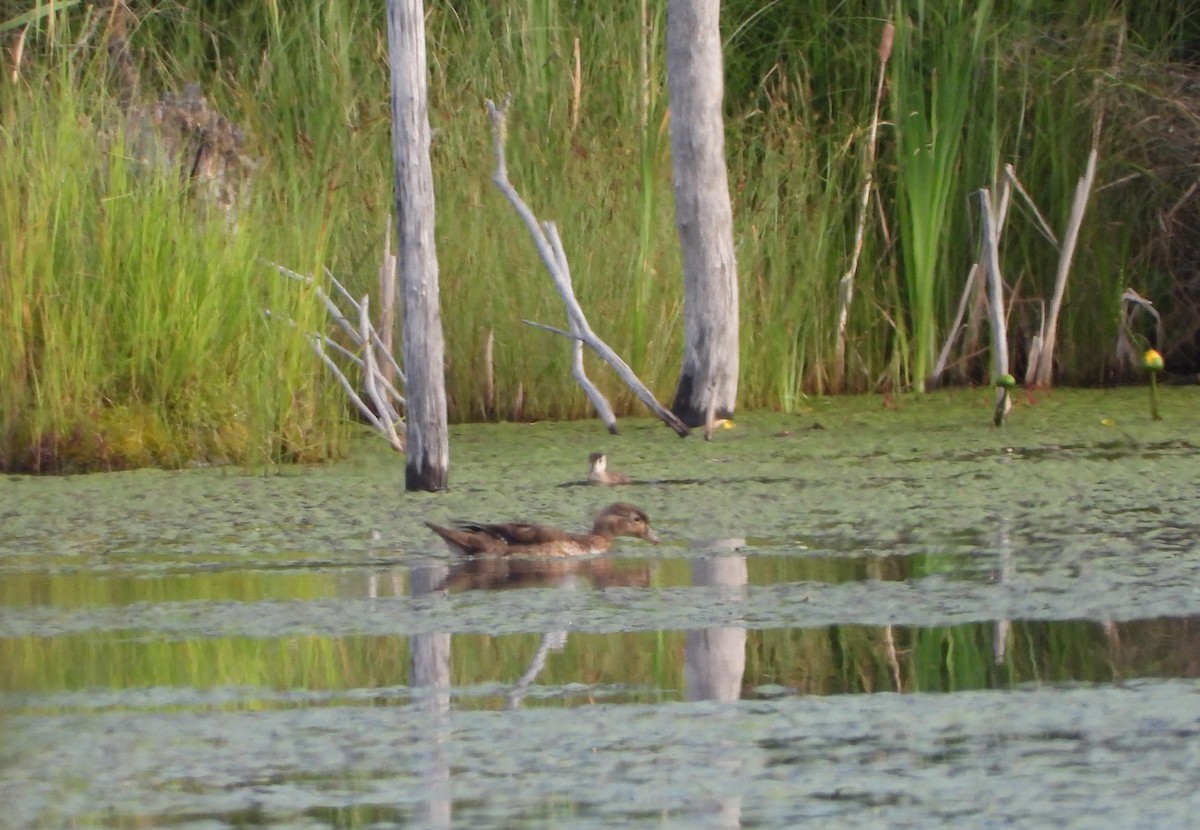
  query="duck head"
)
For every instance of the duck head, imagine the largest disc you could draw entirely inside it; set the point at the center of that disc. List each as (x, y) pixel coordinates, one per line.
(622, 519)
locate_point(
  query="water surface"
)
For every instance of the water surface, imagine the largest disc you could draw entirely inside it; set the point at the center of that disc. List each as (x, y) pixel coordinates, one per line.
(858, 616)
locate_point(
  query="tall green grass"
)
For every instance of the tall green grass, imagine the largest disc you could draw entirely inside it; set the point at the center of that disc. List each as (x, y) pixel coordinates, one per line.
(134, 329)
(938, 52)
(971, 89)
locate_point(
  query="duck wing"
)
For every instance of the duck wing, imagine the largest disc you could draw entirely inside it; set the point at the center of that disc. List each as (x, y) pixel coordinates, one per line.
(468, 543)
(518, 533)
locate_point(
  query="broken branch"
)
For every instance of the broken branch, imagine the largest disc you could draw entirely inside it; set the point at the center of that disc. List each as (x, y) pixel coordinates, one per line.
(549, 246)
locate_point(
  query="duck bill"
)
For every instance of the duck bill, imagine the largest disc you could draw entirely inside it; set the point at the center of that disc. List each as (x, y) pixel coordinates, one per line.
(651, 536)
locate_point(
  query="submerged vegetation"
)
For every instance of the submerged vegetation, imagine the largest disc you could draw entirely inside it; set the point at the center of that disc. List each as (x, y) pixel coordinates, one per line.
(133, 328)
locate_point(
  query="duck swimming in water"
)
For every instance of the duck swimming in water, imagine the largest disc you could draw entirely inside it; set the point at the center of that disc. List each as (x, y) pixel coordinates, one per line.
(528, 539)
(598, 472)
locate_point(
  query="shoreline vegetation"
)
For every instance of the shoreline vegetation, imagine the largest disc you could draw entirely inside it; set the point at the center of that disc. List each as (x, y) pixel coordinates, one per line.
(133, 325)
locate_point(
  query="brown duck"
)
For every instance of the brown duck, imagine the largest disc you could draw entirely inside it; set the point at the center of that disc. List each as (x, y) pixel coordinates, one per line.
(598, 472)
(527, 539)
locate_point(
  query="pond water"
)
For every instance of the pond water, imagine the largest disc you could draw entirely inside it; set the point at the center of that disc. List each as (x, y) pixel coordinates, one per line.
(858, 616)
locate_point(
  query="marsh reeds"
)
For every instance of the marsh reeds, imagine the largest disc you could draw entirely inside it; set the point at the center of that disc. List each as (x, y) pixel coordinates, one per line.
(938, 51)
(128, 322)
(135, 333)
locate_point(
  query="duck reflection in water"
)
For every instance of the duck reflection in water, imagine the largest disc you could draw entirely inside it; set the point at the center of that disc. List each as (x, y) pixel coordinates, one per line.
(496, 573)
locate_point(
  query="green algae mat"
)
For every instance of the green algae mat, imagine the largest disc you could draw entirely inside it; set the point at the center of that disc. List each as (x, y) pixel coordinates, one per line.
(860, 614)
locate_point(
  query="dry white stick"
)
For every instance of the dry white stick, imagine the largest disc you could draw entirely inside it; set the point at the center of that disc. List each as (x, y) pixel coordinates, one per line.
(331, 308)
(386, 384)
(387, 416)
(1044, 226)
(372, 376)
(549, 247)
(375, 339)
(1050, 331)
(387, 305)
(998, 217)
(990, 257)
(957, 329)
(580, 374)
(1035, 354)
(346, 295)
(591, 390)
(603, 409)
(1035, 346)
(338, 317)
(489, 394)
(552, 330)
(340, 349)
(327, 342)
(846, 284)
(1007, 182)
(382, 415)
(366, 411)
(578, 371)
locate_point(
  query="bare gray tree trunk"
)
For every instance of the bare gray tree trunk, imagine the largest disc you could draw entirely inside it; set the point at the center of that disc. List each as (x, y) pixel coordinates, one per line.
(428, 465)
(703, 214)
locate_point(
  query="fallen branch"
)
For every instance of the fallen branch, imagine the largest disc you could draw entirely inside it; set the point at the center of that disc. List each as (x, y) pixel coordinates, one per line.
(381, 379)
(549, 247)
(388, 430)
(371, 376)
(580, 374)
(385, 401)
(341, 319)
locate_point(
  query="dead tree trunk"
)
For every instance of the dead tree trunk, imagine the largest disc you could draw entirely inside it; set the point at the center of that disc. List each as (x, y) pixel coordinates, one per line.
(708, 379)
(428, 465)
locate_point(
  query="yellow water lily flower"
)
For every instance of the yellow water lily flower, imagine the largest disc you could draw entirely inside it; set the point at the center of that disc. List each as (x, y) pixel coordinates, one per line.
(1153, 363)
